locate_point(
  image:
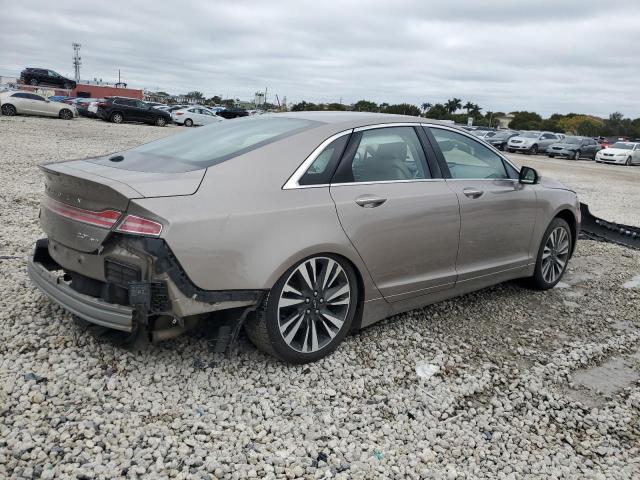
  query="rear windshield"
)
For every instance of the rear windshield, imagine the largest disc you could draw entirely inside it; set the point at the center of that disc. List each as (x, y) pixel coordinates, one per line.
(206, 146)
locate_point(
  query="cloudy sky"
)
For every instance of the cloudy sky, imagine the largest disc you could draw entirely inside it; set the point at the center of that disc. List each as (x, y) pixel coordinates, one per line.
(542, 55)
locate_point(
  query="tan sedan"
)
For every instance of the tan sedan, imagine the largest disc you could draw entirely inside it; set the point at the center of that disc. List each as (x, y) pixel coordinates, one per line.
(26, 103)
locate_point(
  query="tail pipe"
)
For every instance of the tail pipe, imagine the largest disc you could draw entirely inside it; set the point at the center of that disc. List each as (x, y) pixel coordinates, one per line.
(595, 228)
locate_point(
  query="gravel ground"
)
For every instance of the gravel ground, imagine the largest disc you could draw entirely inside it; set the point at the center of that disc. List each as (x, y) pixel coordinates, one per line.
(496, 384)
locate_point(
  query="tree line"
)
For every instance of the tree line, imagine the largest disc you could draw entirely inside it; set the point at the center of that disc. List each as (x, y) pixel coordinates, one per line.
(572, 123)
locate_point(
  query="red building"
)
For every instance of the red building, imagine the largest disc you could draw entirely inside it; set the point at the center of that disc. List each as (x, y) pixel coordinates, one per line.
(101, 91)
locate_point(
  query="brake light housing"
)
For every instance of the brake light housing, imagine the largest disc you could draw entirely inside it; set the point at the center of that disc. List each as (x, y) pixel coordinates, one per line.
(102, 219)
(136, 225)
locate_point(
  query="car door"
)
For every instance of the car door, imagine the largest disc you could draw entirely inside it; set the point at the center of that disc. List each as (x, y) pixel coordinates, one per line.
(636, 154)
(142, 111)
(23, 103)
(403, 220)
(547, 139)
(497, 213)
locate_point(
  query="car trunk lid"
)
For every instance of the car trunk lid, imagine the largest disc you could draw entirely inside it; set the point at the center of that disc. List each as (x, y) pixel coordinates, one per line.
(84, 201)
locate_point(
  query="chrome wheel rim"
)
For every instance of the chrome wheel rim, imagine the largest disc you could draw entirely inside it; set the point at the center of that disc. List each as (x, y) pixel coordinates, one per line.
(314, 304)
(117, 118)
(555, 255)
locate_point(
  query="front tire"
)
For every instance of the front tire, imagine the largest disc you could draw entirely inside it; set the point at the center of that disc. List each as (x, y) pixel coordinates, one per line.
(628, 162)
(533, 150)
(9, 110)
(553, 255)
(576, 156)
(308, 312)
(117, 117)
(160, 122)
(65, 114)
(33, 82)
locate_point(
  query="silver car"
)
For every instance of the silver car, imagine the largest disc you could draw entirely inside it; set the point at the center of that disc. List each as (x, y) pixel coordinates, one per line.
(532, 142)
(27, 103)
(301, 227)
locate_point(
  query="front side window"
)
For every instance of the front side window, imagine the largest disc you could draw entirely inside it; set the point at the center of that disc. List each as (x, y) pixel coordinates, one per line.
(467, 158)
(386, 154)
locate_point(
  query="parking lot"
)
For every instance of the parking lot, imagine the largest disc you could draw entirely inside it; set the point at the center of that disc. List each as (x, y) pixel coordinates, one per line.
(501, 383)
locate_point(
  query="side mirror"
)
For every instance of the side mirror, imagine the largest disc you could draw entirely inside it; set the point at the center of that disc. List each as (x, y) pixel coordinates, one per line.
(528, 176)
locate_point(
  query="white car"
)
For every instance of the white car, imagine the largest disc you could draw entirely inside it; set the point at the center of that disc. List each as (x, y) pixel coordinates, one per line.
(623, 153)
(27, 103)
(191, 116)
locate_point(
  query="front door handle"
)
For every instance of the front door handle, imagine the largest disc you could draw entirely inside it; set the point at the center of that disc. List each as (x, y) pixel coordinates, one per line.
(472, 192)
(370, 201)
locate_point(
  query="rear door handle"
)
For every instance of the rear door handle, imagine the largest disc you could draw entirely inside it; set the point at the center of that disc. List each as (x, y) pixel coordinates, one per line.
(370, 201)
(472, 192)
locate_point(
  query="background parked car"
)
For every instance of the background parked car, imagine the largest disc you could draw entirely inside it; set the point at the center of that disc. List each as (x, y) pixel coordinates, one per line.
(485, 134)
(500, 138)
(121, 109)
(87, 107)
(574, 148)
(532, 142)
(195, 116)
(43, 76)
(623, 153)
(232, 112)
(26, 103)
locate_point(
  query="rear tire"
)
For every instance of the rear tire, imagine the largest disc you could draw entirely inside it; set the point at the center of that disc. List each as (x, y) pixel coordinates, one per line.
(553, 258)
(117, 117)
(33, 82)
(9, 110)
(550, 156)
(305, 316)
(188, 122)
(65, 114)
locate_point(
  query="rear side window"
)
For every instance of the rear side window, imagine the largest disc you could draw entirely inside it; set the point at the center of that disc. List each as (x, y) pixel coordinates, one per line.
(467, 158)
(322, 168)
(209, 145)
(385, 155)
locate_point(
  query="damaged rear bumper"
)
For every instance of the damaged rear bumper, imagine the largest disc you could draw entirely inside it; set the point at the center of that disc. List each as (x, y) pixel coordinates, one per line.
(91, 309)
(162, 289)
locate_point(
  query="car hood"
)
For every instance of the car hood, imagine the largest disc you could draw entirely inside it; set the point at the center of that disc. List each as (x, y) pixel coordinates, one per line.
(549, 182)
(616, 151)
(566, 146)
(523, 139)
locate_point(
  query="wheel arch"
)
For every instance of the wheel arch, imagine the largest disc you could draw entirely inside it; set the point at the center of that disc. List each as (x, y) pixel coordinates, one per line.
(568, 216)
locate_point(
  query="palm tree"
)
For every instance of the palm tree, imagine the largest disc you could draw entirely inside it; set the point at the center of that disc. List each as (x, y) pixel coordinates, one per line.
(475, 109)
(468, 106)
(453, 104)
(426, 106)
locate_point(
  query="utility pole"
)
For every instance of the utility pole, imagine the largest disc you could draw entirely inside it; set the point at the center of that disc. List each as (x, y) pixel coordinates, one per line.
(77, 61)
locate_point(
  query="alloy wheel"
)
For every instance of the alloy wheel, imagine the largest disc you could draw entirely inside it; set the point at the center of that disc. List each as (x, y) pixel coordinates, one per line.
(555, 254)
(116, 118)
(66, 114)
(576, 156)
(314, 304)
(8, 110)
(628, 163)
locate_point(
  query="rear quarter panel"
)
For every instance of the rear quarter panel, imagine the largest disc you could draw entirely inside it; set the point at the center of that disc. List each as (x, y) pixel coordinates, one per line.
(242, 231)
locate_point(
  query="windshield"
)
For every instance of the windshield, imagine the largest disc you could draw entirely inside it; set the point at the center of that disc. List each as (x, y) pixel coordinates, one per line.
(503, 135)
(623, 145)
(530, 134)
(209, 145)
(572, 140)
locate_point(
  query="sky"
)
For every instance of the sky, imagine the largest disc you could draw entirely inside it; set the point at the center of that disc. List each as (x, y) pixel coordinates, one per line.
(547, 56)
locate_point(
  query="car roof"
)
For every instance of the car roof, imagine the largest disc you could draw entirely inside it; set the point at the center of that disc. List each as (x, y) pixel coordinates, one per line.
(357, 119)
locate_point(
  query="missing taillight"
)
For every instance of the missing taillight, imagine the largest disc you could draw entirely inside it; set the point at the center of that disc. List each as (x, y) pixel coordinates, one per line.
(102, 219)
(139, 226)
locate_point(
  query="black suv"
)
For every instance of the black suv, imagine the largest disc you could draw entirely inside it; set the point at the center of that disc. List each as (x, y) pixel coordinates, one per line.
(43, 76)
(232, 112)
(121, 109)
